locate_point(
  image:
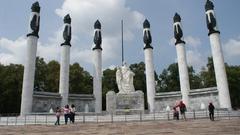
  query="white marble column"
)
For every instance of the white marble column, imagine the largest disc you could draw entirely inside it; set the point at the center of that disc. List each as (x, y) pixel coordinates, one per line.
(29, 66)
(217, 54)
(64, 74)
(28, 76)
(65, 61)
(182, 61)
(220, 72)
(97, 63)
(183, 72)
(97, 79)
(149, 67)
(150, 78)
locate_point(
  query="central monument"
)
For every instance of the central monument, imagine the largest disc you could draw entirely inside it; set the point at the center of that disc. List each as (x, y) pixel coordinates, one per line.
(127, 99)
(124, 78)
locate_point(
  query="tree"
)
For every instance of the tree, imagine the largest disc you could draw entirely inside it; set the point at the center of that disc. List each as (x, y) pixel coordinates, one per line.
(233, 74)
(11, 85)
(52, 77)
(80, 81)
(169, 79)
(208, 75)
(40, 74)
(108, 84)
(194, 79)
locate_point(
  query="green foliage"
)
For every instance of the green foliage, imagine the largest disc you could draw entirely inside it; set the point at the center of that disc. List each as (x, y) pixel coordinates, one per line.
(108, 84)
(208, 75)
(46, 79)
(40, 74)
(169, 79)
(11, 77)
(52, 76)
(80, 81)
(233, 74)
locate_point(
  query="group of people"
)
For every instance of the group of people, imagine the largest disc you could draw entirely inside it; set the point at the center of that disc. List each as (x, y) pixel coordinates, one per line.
(182, 108)
(69, 113)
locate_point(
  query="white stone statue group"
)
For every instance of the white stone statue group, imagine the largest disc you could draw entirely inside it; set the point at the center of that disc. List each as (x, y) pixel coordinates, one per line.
(124, 78)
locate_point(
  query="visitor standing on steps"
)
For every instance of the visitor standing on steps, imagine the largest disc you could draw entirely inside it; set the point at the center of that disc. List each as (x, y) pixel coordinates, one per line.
(58, 114)
(66, 111)
(211, 111)
(72, 113)
(183, 109)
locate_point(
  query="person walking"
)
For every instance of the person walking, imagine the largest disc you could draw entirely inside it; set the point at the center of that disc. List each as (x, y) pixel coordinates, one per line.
(211, 111)
(58, 114)
(183, 109)
(72, 113)
(66, 111)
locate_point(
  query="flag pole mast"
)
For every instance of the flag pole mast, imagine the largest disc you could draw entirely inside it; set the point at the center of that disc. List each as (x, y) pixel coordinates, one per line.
(122, 43)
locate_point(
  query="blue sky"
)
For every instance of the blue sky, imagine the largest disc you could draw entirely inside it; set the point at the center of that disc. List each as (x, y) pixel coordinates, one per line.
(14, 16)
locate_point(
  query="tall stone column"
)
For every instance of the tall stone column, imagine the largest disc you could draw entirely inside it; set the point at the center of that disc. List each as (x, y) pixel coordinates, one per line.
(148, 53)
(182, 62)
(97, 63)
(29, 66)
(218, 61)
(65, 61)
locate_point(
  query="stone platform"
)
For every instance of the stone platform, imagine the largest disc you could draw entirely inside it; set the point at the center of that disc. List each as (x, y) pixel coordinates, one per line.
(125, 103)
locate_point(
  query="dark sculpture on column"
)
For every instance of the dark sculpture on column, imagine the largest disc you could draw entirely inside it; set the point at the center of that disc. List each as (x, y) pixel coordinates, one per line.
(178, 34)
(97, 35)
(147, 38)
(210, 18)
(67, 33)
(35, 21)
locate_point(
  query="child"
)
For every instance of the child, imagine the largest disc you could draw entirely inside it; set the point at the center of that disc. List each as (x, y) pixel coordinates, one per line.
(175, 113)
(58, 114)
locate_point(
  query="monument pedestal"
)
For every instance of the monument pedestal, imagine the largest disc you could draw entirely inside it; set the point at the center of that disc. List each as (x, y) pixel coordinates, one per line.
(119, 103)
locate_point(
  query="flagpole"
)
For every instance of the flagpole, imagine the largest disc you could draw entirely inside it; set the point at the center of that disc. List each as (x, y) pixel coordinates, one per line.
(122, 43)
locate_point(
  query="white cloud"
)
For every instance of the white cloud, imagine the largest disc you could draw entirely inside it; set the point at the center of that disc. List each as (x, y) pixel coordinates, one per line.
(192, 41)
(195, 59)
(109, 12)
(12, 51)
(83, 13)
(232, 48)
(194, 56)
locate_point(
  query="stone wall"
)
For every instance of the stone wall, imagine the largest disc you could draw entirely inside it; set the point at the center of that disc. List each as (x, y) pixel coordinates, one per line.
(198, 99)
(44, 101)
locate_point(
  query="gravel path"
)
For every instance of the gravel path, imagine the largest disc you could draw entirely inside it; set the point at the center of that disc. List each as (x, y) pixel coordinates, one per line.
(189, 127)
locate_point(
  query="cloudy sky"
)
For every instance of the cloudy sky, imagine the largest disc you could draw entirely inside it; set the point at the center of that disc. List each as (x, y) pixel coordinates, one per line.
(14, 17)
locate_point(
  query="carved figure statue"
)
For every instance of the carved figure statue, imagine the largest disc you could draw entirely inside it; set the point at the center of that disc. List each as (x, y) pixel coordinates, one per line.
(97, 35)
(67, 33)
(35, 20)
(124, 78)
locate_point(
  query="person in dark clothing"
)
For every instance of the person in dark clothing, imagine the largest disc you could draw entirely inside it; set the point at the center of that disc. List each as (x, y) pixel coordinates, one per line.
(175, 113)
(183, 109)
(211, 111)
(66, 111)
(58, 114)
(72, 113)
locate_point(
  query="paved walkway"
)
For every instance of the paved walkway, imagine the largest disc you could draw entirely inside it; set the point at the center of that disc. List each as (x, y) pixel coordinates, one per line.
(190, 127)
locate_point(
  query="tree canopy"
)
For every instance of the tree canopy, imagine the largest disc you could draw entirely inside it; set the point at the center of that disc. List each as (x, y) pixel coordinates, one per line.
(81, 82)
